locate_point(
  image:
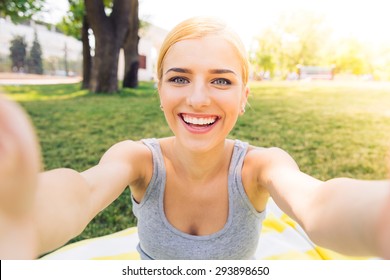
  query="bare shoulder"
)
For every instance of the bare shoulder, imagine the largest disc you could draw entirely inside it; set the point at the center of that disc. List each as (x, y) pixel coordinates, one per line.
(256, 173)
(263, 164)
(132, 153)
(260, 157)
(127, 150)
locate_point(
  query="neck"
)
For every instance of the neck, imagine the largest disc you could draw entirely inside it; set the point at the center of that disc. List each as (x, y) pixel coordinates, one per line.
(201, 166)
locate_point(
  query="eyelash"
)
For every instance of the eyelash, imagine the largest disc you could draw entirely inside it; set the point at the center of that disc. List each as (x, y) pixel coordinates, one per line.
(176, 80)
(181, 80)
(226, 82)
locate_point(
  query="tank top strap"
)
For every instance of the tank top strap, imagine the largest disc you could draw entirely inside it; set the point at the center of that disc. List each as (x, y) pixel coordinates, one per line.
(238, 156)
(159, 173)
(235, 175)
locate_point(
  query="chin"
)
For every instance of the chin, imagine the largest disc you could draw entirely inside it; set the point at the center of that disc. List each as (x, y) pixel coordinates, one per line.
(200, 143)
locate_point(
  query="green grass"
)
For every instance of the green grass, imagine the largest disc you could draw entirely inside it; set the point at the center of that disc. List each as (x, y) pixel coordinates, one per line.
(331, 129)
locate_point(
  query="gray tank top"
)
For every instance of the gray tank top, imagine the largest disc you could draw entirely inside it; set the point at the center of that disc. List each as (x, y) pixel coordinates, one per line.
(238, 238)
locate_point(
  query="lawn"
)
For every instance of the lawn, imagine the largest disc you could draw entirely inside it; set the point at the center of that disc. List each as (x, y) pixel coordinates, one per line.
(330, 128)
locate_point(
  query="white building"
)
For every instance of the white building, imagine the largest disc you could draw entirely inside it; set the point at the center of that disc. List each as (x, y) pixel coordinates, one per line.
(148, 48)
(53, 46)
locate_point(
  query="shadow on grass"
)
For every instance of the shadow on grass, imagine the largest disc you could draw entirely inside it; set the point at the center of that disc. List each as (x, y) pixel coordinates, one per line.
(144, 89)
(28, 93)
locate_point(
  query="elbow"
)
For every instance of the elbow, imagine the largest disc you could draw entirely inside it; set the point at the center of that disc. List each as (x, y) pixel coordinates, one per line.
(62, 208)
(314, 234)
(310, 226)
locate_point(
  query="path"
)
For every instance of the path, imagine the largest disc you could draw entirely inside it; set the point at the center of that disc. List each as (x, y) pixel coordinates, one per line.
(31, 79)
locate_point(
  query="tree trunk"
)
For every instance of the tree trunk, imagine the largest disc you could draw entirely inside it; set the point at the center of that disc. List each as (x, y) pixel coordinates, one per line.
(130, 48)
(110, 32)
(87, 59)
(105, 63)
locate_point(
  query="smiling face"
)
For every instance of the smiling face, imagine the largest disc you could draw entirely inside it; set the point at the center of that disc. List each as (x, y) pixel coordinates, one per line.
(202, 90)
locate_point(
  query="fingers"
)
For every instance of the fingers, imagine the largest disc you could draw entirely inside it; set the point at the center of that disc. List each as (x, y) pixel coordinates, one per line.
(19, 167)
(19, 158)
(384, 230)
(18, 239)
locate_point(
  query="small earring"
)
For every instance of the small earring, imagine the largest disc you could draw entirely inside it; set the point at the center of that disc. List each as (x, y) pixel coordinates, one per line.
(243, 110)
(161, 107)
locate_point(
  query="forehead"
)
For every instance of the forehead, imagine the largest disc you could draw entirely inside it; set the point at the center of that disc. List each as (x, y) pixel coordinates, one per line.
(207, 52)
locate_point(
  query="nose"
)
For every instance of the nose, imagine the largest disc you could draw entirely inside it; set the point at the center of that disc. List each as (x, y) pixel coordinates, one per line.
(198, 96)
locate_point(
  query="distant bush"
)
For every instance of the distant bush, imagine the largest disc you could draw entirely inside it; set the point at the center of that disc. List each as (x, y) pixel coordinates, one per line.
(18, 53)
(34, 61)
(22, 61)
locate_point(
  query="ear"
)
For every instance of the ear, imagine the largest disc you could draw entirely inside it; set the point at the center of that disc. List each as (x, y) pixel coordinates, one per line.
(244, 99)
(246, 93)
(157, 86)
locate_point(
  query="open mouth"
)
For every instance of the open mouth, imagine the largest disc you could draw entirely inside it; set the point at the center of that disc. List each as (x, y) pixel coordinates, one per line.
(199, 122)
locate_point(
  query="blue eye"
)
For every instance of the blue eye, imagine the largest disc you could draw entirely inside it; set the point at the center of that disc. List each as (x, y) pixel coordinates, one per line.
(221, 82)
(179, 80)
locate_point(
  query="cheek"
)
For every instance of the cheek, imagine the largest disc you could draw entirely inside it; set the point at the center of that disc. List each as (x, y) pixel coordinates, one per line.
(229, 102)
(169, 105)
(169, 97)
(168, 102)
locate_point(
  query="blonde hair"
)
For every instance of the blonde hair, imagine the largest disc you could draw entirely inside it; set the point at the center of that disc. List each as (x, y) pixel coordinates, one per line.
(199, 27)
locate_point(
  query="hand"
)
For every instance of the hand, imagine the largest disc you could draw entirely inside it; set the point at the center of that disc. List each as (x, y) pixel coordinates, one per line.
(19, 167)
(384, 230)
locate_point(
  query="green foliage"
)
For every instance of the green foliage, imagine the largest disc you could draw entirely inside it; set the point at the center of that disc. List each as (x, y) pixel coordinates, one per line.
(266, 53)
(304, 38)
(297, 38)
(351, 57)
(72, 23)
(18, 53)
(20, 10)
(331, 129)
(35, 57)
(20, 60)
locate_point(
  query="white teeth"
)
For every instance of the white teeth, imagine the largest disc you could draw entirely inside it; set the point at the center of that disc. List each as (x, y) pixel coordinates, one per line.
(199, 121)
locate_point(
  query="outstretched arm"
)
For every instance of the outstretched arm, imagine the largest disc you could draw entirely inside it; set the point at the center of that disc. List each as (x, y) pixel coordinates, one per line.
(66, 200)
(356, 209)
(40, 212)
(346, 215)
(384, 230)
(19, 166)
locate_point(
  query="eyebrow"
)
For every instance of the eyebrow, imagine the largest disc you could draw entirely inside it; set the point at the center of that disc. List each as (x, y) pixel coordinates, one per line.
(179, 70)
(188, 71)
(221, 71)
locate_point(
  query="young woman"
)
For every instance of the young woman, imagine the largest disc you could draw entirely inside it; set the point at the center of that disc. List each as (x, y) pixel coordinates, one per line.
(197, 194)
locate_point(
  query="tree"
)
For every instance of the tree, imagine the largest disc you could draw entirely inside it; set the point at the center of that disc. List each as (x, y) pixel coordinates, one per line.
(297, 38)
(75, 24)
(304, 34)
(35, 58)
(87, 58)
(351, 57)
(18, 53)
(264, 59)
(19, 10)
(110, 32)
(130, 48)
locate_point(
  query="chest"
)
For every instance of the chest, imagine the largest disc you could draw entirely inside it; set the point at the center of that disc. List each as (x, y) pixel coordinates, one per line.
(183, 221)
(196, 208)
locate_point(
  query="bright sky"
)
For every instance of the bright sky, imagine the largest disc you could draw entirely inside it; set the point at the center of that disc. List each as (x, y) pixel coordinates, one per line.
(367, 19)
